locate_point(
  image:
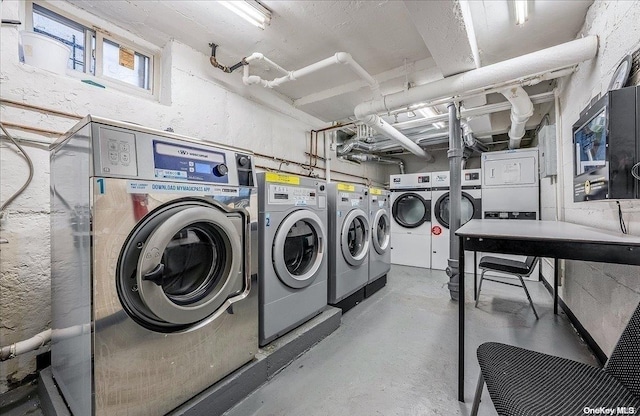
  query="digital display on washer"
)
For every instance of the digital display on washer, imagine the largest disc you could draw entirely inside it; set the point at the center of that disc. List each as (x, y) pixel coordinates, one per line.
(179, 162)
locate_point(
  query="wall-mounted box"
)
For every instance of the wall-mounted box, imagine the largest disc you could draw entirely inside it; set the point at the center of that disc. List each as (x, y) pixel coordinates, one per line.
(607, 146)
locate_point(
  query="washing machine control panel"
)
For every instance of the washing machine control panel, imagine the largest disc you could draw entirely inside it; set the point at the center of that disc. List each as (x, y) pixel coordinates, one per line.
(177, 161)
(292, 195)
(117, 153)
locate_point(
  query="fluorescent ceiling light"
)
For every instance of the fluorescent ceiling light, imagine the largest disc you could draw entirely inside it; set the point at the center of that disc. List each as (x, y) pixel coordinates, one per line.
(250, 10)
(430, 112)
(522, 11)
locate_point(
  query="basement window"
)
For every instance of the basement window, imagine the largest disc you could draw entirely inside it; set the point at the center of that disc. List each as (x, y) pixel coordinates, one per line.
(109, 59)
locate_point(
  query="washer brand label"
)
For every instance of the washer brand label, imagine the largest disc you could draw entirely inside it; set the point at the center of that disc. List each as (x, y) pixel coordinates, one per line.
(140, 187)
(375, 191)
(280, 178)
(346, 187)
(300, 203)
(355, 202)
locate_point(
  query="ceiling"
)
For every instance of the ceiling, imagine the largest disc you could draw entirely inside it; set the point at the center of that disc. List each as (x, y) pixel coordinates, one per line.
(400, 43)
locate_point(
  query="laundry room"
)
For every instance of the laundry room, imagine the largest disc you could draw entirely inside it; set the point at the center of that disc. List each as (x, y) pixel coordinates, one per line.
(319, 207)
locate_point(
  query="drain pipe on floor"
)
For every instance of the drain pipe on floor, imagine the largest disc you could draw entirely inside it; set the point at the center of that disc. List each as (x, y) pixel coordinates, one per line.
(455, 199)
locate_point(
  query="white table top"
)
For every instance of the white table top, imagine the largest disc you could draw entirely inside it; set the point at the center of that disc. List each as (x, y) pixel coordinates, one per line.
(543, 230)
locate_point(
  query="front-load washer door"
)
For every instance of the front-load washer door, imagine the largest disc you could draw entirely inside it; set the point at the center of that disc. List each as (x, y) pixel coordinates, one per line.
(354, 237)
(410, 210)
(298, 248)
(380, 231)
(469, 208)
(180, 265)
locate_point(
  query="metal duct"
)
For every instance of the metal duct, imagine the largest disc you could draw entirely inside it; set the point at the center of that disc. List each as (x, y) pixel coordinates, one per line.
(355, 144)
(366, 157)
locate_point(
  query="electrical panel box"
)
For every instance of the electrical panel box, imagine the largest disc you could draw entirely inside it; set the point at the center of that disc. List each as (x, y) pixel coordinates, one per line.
(548, 151)
(606, 141)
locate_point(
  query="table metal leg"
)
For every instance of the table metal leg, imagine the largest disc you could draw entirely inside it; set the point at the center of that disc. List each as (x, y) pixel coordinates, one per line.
(556, 273)
(461, 322)
(475, 275)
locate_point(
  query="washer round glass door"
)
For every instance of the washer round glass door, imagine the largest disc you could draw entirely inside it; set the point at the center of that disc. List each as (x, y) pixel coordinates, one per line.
(411, 210)
(441, 209)
(298, 248)
(179, 266)
(381, 229)
(354, 237)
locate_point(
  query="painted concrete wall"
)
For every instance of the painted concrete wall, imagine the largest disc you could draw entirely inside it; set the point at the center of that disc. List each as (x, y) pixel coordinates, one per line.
(196, 100)
(601, 296)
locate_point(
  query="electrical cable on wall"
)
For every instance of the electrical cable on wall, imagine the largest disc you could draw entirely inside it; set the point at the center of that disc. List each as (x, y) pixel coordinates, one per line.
(623, 226)
(28, 181)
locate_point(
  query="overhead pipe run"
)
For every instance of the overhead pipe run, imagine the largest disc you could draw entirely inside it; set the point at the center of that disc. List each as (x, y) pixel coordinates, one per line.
(365, 157)
(338, 58)
(386, 129)
(521, 111)
(511, 70)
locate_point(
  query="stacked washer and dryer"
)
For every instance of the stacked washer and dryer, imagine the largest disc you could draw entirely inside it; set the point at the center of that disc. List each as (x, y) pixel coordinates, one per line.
(150, 267)
(411, 225)
(292, 252)
(349, 243)
(470, 208)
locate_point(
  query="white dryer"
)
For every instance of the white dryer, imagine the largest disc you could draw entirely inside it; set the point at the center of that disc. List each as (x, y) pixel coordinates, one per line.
(411, 225)
(348, 243)
(471, 207)
(292, 276)
(380, 254)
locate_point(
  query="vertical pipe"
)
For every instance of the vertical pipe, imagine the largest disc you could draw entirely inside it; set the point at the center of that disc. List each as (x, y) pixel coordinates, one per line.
(327, 156)
(455, 198)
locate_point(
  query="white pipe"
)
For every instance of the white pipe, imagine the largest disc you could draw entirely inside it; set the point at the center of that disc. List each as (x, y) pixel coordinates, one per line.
(386, 129)
(346, 58)
(521, 111)
(257, 56)
(20, 347)
(540, 62)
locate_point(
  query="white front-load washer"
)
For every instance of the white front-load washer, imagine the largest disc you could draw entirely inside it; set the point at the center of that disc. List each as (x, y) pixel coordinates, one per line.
(348, 243)
(292, 252)
(411, 219)
(380, 251)
(470, 208)
(152, 292)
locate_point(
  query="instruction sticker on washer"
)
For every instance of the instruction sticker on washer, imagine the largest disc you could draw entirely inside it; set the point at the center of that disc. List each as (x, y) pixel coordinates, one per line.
(375, 191)
(280, 178)
(346, 187)
(143, 187)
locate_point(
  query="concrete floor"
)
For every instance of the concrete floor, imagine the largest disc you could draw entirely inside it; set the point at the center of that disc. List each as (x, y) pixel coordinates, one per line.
(396, 353)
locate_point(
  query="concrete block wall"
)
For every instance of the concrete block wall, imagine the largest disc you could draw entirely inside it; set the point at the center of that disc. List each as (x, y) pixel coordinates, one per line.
(601, 296)
(196, 100)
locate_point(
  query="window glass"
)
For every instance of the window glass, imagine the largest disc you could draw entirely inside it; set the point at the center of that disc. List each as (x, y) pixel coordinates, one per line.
(300, 248)
(383, 230)
(356, 236)
(63, 30)
(410, 210)
(125, 65)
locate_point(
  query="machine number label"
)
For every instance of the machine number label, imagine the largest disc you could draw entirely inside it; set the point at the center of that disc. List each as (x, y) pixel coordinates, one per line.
(267, 220)
(141, 187)
(375, 191)
(101, 186)
(346, 187)
(280, 178)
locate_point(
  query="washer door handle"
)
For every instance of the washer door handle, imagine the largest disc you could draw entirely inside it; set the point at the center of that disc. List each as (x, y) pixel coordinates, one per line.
(155, 275)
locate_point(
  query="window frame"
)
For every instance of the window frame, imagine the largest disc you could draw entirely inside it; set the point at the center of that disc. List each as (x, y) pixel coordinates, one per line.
(92, 30)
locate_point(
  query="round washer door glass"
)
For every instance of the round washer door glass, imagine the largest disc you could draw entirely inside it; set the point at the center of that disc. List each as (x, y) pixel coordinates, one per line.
(355, 237)
(410, 210)
(298, 248)
(180, 265)
(441, 208)
(381, 231)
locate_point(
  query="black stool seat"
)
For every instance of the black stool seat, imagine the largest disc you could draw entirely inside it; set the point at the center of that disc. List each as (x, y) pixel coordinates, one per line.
(504, 265)
(523, 382)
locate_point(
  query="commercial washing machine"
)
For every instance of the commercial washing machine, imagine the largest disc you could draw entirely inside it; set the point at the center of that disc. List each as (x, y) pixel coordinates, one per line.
(380, 255)
(293, 248)
(471, 207)
(348, 243)
(152, 292)
(411, 225)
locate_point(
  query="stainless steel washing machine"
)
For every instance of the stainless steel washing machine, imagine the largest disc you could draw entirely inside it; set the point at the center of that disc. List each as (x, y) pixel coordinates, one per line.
(380, 255)
(152, 293)
(292, 247)
(348, 240)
